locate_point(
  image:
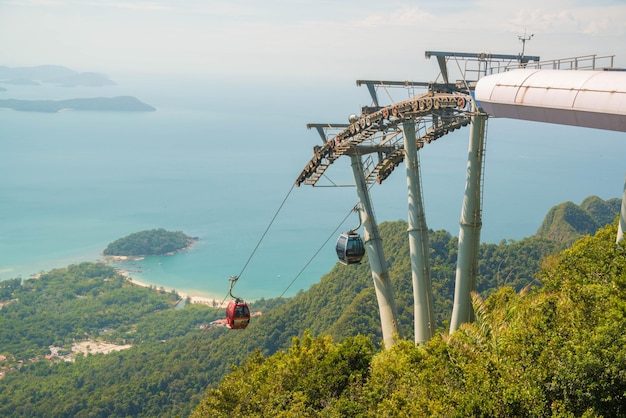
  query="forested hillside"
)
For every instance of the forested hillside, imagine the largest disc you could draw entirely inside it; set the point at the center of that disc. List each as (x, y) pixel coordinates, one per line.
(557, 350)
(163, 374)
(174, 358)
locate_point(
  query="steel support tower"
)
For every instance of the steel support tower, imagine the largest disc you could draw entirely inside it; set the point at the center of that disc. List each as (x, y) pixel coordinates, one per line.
(622, 217)
(470, 225)
(389, 134)
(385, 135)
(374, 247)
(424, 322)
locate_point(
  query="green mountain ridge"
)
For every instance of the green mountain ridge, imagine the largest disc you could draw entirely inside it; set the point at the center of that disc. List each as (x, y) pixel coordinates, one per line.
(568, 222)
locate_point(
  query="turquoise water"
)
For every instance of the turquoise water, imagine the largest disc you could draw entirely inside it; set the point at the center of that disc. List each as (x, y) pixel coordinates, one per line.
(216, 161)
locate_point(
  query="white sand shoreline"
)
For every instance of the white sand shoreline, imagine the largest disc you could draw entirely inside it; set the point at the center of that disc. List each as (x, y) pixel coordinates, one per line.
(213, 302)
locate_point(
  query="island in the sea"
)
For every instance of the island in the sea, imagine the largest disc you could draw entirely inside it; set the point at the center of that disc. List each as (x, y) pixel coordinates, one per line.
(115, 104)
(52, 74)
(151, 242)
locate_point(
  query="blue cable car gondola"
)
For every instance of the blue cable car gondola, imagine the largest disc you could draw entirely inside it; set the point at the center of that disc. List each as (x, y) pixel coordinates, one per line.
(350, 249)
(237, 311)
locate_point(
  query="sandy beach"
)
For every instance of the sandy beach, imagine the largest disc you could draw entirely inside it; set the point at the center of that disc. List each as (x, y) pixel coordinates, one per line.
(216, 303)
(192, 298)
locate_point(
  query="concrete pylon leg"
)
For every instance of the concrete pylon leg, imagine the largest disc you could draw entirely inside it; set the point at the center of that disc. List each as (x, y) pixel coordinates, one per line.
(374, 247)
(622, 217)
(418, 242)
(470, 225)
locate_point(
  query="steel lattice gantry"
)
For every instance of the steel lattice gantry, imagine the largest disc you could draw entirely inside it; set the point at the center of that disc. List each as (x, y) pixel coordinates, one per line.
(386, 136)
(434, 114)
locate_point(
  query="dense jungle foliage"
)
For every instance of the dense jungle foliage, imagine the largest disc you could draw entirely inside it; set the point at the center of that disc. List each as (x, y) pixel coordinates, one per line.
(163, 374)
(66, 305)
(152, 242)
(174, 357)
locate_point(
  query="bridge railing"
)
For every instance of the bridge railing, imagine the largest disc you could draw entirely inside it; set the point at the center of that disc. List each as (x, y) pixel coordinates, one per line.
(583, 62)
(471, 67)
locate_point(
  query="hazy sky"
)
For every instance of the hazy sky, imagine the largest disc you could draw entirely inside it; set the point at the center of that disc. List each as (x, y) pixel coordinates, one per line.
(314, 38)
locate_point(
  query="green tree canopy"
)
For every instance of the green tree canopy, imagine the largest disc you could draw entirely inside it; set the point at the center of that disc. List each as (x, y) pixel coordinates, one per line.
(152, 242)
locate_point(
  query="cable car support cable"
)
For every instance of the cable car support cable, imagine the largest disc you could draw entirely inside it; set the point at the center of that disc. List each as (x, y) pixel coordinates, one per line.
(237, 277)
(266, 231)
(332, 234)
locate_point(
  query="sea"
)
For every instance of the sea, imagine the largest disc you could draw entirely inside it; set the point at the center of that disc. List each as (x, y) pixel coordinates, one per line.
(218, 160)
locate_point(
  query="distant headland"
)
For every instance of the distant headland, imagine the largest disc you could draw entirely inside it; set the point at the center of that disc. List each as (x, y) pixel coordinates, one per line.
(117, 104)
(53, 74)
(64, 77)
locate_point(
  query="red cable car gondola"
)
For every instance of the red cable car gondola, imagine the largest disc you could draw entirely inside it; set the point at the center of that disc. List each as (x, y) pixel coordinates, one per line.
(237, 314)
(237, 311)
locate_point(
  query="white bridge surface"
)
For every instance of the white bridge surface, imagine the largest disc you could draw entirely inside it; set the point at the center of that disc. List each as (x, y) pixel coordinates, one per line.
(592, 99)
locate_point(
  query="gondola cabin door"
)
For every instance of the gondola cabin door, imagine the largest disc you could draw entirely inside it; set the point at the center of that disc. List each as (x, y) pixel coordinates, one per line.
(237, 314)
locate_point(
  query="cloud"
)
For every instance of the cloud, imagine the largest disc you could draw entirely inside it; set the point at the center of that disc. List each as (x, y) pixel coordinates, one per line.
(315, 37)
(584, 20)
(406, 16)
(132, 5)
(29, 3)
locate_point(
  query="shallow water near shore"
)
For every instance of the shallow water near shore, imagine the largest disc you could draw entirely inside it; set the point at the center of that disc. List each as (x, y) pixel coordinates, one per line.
(217, 160)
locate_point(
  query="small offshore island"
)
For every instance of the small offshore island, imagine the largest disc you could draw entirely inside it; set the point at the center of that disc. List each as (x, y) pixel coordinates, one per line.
(115, 104)
(150, 242)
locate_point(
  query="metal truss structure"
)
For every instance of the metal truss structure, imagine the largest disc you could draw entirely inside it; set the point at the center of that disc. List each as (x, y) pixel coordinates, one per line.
(378, 130)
